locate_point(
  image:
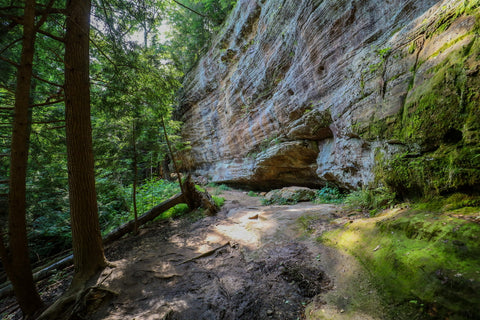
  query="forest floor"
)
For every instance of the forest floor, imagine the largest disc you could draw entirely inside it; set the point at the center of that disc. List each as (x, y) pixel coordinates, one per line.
(248, 262)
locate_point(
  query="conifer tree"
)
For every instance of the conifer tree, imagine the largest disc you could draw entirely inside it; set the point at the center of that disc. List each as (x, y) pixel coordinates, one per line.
(86, 238)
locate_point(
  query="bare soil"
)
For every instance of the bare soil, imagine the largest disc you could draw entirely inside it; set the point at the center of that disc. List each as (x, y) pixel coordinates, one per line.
(248, 262)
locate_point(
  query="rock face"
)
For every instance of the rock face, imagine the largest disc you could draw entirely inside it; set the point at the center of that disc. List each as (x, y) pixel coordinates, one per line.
(356, 93)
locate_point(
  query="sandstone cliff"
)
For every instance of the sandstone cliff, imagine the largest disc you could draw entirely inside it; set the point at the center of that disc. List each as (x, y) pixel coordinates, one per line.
(356, 93)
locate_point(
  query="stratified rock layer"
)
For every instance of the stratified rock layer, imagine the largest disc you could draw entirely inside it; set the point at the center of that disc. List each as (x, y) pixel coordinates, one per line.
(356, 93)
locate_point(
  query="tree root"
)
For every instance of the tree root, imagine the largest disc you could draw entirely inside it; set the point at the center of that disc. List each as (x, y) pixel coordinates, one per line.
(90, 300)
(78, 305)
(196, 199)
(78, 302)
(205, 254)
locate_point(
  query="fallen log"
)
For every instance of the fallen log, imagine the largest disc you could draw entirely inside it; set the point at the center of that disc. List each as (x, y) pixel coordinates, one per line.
(148, 216)
(7, 290)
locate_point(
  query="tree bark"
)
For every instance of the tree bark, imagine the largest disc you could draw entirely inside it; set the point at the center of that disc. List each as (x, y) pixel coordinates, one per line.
(88, 251)
(173, 160)
(15, 258)
(196, 199)
(135, 178)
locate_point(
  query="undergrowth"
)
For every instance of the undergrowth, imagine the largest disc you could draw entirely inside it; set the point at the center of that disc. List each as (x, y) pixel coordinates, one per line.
(365, 200)
(370, 201)
(218, 188)
(149, 194)
(182, 209)
(329, 194)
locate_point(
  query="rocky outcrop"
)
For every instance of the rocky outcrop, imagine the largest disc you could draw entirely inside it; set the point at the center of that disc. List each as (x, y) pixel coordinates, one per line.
(351, 92)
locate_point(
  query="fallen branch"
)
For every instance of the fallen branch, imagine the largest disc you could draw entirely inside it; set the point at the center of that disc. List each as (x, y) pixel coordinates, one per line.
(148, 216)
(7, 289)
(10, 308)
(59, 265)
(205, 254)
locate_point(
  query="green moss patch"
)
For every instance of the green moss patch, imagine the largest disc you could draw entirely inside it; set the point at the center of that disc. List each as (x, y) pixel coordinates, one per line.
(428, 260)
(447, 169)
(440, 125)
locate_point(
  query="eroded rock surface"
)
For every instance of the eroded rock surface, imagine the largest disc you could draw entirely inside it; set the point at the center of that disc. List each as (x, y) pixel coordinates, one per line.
(350, 92)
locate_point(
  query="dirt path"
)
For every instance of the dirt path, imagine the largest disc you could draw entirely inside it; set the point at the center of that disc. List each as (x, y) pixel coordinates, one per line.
(248, 262)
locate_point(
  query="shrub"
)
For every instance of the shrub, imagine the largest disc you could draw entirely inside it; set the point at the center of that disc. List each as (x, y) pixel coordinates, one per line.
(178, 210)
(370, 200)
(224, 187)
(219, 201)
(329, 194)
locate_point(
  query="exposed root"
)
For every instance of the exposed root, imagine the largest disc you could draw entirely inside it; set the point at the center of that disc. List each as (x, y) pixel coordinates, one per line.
(197, 199)
(205, 254)
(90, 300)
(78, 304)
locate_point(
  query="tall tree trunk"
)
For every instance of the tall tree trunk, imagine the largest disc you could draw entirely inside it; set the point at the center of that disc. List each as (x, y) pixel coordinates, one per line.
(86, 238)
(135, 178)
(173, 160)
(16, 259)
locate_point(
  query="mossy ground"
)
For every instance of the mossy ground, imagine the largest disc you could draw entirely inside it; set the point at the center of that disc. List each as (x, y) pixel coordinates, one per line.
(424, 258)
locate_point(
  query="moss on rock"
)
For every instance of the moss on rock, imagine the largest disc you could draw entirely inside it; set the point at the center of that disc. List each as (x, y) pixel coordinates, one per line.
(426, 256)
(446, 170)
(440, 124)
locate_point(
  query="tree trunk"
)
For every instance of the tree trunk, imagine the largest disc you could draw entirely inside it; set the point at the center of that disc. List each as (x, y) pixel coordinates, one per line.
(86, 238)
(196, 199)
(16, 259)
(173, 160)
(135, 174)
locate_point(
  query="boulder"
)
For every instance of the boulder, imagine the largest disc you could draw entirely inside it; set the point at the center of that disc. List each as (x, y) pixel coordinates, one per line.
(291, 194)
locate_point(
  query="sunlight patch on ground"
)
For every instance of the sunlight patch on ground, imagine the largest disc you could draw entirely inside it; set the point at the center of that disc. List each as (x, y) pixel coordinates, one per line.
(213, 238)
(349, 240)
(163, 267)
(247, 227)
(240, 234)
(329, 312)
(204, 248)
(253, 226)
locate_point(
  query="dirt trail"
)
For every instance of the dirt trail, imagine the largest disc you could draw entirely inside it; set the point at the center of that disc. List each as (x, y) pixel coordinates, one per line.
(258, 262)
